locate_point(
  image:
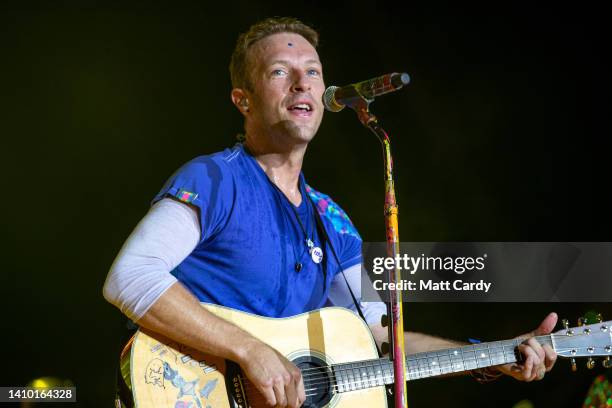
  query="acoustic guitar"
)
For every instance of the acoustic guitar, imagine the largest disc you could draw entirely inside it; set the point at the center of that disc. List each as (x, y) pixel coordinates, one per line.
(334, 350)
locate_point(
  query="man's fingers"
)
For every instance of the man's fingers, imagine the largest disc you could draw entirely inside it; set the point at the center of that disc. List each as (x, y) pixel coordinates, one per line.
(279, 393)
(269, 395)
(547, 325)
(301, 391)
(299, 386)
(551, 357)
(277, 379)
(531, 361)
(537, 359)
(541, 373)
(537, 347)
(291, 393)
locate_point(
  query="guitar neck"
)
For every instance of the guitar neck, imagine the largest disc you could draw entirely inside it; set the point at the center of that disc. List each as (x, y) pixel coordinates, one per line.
(465, 358)
(372, 373)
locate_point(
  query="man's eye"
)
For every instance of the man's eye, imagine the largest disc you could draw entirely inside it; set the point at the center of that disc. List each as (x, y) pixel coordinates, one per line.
(278, 72)
(313, 72)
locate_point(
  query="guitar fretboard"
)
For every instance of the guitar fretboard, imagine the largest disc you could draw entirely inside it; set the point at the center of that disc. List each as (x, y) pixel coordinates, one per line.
(372, 373)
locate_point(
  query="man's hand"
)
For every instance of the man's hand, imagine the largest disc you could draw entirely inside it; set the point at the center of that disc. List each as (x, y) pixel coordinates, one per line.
(538, 359)
(276, 378)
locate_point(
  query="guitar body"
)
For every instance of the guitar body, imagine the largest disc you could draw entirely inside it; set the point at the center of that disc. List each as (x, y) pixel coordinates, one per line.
(164, 373)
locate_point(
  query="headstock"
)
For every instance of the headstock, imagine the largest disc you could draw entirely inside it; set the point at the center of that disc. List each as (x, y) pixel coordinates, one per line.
(585, 340)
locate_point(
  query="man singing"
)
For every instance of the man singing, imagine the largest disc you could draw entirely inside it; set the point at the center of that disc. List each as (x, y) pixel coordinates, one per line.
(242, 228)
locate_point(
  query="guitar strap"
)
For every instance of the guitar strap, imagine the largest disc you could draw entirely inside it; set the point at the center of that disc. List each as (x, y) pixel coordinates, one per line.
(323, 232)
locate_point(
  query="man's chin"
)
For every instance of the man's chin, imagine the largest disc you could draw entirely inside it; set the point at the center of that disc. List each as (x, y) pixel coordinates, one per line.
(297, 132)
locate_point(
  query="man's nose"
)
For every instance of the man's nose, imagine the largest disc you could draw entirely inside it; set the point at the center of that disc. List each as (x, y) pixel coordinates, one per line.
(301, 83)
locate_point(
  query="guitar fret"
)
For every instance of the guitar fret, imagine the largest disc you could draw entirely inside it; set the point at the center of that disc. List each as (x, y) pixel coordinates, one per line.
(469, 361)
(444, 362)
(412, 368)
(369, 371)
(352, 376)
(496, 353)
(358, 379)
(375, 374)
(372, 375)
(380, 374)
(423, 369)
(390, 376)
(340, 380)
(430, 364)
(363, 377)
(481, 355)
(457, 360)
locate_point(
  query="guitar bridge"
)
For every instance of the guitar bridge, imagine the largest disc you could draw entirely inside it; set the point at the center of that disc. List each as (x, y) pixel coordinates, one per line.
(235, 386)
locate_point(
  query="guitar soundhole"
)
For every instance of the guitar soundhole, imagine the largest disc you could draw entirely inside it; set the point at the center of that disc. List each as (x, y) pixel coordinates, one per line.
(317, 381)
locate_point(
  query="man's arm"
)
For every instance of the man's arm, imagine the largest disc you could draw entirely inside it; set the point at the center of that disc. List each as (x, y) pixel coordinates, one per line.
(538, 359)
(140, 284)
(177, 314)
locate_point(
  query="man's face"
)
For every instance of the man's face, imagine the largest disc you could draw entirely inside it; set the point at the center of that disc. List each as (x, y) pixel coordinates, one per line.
(287, 87)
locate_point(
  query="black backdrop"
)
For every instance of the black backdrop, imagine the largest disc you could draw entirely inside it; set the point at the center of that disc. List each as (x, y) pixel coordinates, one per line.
(500, 136)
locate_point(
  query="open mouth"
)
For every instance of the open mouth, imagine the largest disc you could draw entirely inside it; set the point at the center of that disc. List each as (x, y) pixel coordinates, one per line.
(301, 107)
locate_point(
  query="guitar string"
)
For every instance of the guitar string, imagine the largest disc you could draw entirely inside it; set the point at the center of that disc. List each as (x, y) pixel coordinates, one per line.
(373, 379)
(354, 385)
(412, 372)
(318, 376)
(349, 371)
(377, 365)
(517, 341)
(440, 368)
(427, 355)
(369, 382)
(410, 356)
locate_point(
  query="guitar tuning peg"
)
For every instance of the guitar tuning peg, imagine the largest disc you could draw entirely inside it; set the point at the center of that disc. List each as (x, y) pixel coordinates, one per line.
(599, 318)
(582, 321)
(565, 323)
(384, 320)
(590, 363)
(384, 347)
(573, 363)
(606, 363)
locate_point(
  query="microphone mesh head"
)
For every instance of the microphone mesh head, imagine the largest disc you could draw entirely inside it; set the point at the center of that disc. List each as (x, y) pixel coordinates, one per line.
(329, 101)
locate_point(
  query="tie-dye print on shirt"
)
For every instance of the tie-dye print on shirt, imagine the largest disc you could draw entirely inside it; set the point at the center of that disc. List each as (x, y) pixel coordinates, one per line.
(331, 211)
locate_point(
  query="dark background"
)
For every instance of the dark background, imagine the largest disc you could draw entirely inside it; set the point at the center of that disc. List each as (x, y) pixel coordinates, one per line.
(499, 137)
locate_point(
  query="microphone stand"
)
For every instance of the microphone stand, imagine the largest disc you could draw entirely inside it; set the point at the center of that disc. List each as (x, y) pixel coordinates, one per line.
(397, 352)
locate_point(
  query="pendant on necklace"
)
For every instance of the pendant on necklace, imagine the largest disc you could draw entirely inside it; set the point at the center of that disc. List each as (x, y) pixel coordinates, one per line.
(315, 252)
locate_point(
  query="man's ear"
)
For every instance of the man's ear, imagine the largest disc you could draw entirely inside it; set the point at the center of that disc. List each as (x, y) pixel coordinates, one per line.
(240, 100)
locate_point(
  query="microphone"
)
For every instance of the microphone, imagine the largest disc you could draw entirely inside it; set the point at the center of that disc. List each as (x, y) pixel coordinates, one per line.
(336, 98)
